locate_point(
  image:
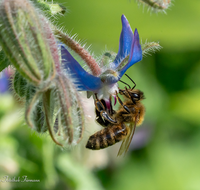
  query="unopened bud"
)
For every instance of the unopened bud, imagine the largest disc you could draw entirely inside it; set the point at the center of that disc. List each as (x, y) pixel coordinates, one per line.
(50, 9)
(150, 47)
(22, 37)
(70, 121)
(156, 5)
(107, 58)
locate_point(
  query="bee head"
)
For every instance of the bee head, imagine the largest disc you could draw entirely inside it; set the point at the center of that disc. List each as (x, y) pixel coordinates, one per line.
(133, 94)
(136, 95)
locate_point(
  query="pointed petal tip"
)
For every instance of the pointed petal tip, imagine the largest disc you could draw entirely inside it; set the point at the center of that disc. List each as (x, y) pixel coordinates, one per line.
(123, 16)
(136, 39)
(136, 34)
(136, 49)
(135, 53)
(124, 20)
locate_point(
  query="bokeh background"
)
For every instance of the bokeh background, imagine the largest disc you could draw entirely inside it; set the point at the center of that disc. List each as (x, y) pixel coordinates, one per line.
(165, 151)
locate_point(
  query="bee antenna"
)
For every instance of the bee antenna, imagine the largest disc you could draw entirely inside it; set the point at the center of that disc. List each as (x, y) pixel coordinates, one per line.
(131, 81)
(125, 83)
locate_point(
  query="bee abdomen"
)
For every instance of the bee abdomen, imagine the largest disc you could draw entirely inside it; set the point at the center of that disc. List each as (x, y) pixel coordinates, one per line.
(107, 137)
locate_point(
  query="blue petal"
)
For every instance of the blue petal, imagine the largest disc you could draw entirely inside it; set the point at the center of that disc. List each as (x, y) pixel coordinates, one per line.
(135, 53)
(125, 42)
(83, 80)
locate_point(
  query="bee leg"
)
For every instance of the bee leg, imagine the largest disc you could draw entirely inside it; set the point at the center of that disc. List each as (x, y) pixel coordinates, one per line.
(124, 106)
(112, 112)
(102, 113)
(105, 116)
(98, 104)
(122, 92)
(100, 120)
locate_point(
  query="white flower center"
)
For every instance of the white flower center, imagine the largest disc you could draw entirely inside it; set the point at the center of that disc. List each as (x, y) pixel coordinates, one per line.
(108, 90)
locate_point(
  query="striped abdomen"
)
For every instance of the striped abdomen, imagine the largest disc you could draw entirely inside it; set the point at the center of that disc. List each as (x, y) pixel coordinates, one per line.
(107, 137)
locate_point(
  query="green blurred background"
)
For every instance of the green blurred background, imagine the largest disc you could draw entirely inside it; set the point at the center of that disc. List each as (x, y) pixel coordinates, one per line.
(165, 154)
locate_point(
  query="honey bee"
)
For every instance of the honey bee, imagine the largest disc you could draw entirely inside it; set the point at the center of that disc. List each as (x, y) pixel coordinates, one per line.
(119, 125)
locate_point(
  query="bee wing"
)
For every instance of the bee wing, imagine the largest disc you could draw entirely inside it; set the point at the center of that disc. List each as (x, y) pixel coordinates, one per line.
(127, 141)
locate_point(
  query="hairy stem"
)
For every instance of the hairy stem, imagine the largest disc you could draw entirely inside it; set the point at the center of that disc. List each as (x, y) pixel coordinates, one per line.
(92, 64)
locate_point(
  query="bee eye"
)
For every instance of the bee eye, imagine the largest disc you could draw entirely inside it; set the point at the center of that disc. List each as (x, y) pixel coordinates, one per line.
(135, 95)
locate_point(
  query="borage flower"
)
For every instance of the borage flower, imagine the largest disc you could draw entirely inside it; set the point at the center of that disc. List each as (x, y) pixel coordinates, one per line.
(105, 84)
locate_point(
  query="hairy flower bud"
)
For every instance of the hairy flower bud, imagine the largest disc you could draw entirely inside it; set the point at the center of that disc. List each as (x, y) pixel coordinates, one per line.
(107, 58)
(156, 5)
(50, 9)
(150, 47)
(58, 109)
(22, 37)
(71, 115)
